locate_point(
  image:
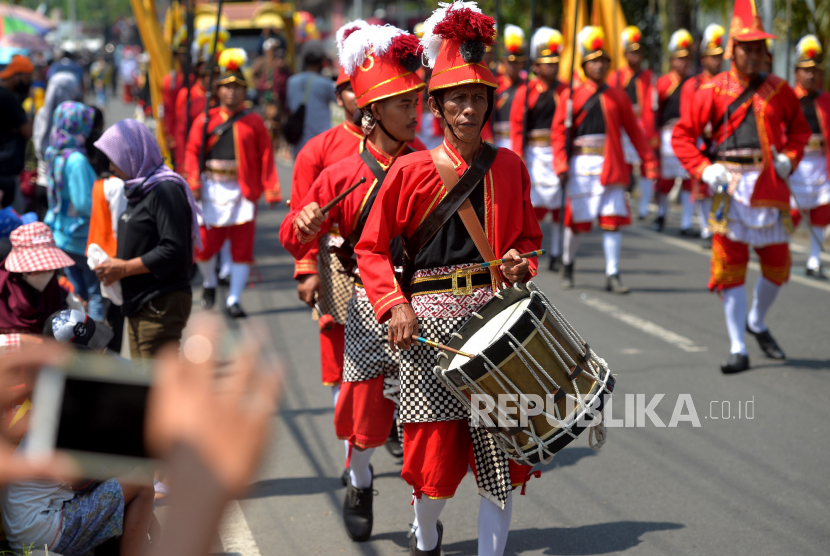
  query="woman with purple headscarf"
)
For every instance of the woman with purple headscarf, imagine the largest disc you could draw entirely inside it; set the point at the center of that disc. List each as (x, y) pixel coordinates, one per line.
(156, 236)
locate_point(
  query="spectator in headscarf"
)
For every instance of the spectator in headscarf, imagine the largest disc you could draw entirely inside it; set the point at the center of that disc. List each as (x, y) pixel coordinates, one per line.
(70, 178)
(156, 236)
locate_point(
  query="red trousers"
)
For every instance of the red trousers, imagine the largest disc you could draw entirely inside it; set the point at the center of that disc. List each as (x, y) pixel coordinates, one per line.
(241, 237)
(541, 212)
(610, 223)
(665, 185)
(819, 216)
(363, 416)
(730, 259)
(436, 457)
(332, 343)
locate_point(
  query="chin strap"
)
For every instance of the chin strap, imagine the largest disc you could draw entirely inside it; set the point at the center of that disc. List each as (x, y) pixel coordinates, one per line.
(386, 131)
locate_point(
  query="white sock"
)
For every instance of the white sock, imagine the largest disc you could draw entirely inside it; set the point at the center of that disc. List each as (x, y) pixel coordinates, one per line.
(571, 245)
(427, 512)
(493, 526)
(815, 247)
(662, 205)
(765, 294)
(734, 307)
(208, 270)
(688, 210)
(646, 193)
(554, 239)
(704, 207)
(359, 467)
(612, 245)
(335, 393)
(225, 260)
(239, 279)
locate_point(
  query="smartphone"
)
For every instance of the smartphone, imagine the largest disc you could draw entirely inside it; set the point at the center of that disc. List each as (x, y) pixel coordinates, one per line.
(93, 409)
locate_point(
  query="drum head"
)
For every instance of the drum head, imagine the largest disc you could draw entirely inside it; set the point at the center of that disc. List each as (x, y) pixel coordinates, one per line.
(491, 330)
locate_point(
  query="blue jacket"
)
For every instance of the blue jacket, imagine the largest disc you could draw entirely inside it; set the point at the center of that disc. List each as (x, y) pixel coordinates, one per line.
(70, 224)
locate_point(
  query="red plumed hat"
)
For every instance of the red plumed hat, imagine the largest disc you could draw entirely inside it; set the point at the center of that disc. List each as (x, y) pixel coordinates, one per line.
(340, 37)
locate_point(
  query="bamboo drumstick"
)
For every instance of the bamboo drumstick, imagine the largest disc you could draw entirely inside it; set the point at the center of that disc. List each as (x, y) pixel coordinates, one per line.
(430, 343)
(537, 253)
(330, 204)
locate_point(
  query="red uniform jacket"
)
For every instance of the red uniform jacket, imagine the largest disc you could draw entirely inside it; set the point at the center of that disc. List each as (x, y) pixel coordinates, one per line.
(822, 103)
(517, 110)
(412, 190)
(254, 152)
(687, 95)
(776, 108)
(170, 87)
(666, 85)
(197, 106)
(332, 181)
(619, 115)
(645, 99)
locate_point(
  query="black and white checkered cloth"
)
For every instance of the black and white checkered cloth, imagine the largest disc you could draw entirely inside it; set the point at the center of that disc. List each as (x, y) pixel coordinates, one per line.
(367, 354)
(337, 286)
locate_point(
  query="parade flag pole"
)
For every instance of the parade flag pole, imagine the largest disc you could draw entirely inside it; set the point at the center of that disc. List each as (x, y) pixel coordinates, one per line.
(189, 66)
(208, 93)
(569, 132)
(530, 57)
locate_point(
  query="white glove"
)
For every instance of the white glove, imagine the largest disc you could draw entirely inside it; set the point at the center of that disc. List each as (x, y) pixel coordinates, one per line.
(781, 163)
(715, 175)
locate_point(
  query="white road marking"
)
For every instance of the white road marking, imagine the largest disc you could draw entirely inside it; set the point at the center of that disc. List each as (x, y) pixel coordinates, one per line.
(235, 534)
(695, 248)
(644, 325)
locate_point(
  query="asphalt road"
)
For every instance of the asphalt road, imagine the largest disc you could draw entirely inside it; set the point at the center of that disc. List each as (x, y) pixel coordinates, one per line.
(750, 483)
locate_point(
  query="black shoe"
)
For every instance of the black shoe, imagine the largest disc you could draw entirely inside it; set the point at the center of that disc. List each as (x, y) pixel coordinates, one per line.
(208, 298)
(393, 443)
(236, 312)
(706, 243)
(658, 224)
(553, 264)
(641, 216)
(688, 232)
(816, 273)
(357, 512)
(768, 344)
(226, 281)
(568, 276)
(736, 363)
(344, 478)
(413, 543)
(615, 285)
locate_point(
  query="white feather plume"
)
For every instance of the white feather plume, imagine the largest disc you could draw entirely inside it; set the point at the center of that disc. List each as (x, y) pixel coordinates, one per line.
(359, 23)
(540, 37)
(373, 38)
(431, 42)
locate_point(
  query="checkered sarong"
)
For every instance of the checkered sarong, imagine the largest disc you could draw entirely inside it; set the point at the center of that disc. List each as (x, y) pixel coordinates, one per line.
(425, 399)
(337, 286)
(367, 352)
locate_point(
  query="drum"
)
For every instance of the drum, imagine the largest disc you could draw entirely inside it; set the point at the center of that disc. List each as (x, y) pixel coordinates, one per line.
(522, 346)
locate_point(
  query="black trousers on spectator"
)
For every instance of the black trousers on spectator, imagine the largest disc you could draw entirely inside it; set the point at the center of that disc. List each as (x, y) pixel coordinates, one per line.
(8, 185)
(115, 319)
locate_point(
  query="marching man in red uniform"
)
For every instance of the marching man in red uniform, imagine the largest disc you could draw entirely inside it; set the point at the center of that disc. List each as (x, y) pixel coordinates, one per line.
(532, 140)
(439, 441)
(365, 409)
(809, 183)
(754, 153)
(711, 61)
(597, 173)
(513, 62)
(638, 83)
(669, 87)
(238, 167)
(172, 83)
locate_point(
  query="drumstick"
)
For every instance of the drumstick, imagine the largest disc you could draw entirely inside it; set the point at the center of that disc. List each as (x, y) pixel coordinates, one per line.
(537, 253)
(330, 204)
(440, 346)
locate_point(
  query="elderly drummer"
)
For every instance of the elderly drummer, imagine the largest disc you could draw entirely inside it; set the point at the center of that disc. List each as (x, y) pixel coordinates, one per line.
(439, 441)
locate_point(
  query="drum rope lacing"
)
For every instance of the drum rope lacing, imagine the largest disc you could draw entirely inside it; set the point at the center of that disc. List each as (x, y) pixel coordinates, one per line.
(597, 434)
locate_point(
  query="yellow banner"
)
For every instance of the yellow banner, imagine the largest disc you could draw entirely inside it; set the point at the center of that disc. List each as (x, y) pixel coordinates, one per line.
(609, 15)
(569, 13)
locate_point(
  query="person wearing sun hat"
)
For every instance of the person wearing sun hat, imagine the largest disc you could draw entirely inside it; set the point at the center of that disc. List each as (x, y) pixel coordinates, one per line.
(439, 443)
(29, 289)
(513, 61)
(597, 173)
(809, 182)
(747, 167)
(530, 137)
(669, 87)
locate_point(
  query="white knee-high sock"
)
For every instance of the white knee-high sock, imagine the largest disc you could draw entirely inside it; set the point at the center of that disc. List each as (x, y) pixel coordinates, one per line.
(815, 247)
(571, 245)
(612, 245)
(225, 260)
(662, 204)
(493, 526)
(239, 278)
(734, 307)
(688, 210)
(554, 239)
(646, 192)
(359, 467)
(427, 512)
(208, 270)
(335, 394)
(765, 294)
(704, 207)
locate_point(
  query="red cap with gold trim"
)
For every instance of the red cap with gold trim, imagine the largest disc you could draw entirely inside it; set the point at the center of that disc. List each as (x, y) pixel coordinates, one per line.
(340, 37)
(746, 25)
(381, 62)
(455, 38)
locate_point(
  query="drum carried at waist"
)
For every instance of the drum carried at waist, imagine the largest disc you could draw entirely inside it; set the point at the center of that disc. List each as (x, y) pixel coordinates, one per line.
(522, 346)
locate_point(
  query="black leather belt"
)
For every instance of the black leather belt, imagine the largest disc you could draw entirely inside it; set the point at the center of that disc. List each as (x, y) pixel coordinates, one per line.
(451, 284)
(741, 159)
